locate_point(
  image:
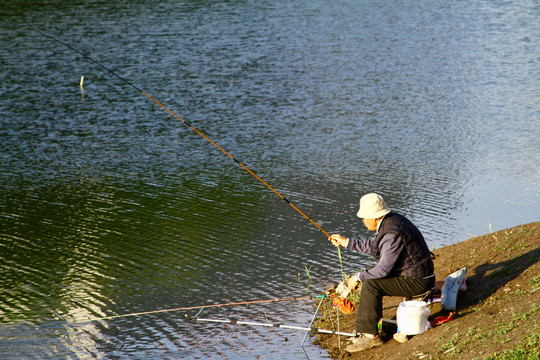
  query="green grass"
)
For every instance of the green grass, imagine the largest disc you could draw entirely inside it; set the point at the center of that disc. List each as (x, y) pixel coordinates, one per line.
(449, 343)
(527, 349)
(535, 282)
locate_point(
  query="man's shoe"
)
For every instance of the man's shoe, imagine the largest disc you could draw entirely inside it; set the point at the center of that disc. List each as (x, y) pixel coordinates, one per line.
(364, 343)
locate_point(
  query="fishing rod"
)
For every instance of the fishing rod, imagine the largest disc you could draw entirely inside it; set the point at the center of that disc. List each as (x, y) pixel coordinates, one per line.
(277, 325)
(192, 128)
(197, 307)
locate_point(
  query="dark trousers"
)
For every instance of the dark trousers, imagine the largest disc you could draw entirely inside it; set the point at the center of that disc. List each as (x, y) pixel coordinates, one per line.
(369, 310)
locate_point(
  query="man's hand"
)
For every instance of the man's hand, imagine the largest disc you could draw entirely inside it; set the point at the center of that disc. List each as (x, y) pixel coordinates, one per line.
(338, 240)
(353, 282)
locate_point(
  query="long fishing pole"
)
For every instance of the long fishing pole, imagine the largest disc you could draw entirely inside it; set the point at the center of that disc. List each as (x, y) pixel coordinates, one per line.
(195, 307)
(236, 322)
(192, 128)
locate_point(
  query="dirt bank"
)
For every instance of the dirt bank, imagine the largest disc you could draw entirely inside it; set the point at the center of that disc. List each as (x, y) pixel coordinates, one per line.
(497, 318)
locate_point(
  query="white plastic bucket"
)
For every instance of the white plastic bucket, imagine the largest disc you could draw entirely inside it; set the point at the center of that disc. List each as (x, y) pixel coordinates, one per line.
(412, 317)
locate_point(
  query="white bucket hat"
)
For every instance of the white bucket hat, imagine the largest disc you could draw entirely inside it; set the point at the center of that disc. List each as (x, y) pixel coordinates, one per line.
(372, 206)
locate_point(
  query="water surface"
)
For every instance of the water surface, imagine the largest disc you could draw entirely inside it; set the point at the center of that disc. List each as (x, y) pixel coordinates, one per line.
(110, 206)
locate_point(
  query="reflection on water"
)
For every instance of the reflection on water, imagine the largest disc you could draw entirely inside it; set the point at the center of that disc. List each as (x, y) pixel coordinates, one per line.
(110, 206)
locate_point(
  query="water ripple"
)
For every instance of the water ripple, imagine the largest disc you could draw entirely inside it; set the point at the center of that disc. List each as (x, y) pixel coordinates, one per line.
(109, 206)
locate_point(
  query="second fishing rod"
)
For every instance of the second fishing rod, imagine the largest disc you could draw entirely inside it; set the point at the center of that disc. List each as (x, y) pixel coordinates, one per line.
(198, 132)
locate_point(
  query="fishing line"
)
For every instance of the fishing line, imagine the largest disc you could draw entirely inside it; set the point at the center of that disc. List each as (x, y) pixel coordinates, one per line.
(205, 137)
(191, 127)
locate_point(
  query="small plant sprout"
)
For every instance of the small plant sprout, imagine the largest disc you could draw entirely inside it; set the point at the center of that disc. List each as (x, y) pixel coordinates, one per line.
(307, 272)
(309, 277)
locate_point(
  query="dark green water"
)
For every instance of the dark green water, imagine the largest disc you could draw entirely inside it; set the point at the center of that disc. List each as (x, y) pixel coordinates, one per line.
(109, 205)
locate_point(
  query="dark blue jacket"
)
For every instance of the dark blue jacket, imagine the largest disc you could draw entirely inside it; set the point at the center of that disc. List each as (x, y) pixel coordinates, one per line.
(398, 247)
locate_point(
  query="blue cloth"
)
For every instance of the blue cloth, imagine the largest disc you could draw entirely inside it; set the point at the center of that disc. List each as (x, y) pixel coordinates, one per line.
(391, 247)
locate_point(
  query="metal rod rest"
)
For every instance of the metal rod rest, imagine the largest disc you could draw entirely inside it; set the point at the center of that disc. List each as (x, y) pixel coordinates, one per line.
(236, 322)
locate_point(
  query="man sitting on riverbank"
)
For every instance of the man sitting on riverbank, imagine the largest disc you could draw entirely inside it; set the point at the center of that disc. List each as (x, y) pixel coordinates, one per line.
(404, 266)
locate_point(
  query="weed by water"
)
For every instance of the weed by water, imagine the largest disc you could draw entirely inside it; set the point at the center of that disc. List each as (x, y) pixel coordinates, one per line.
(525, 230)
(309, 277)
(307, 272)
